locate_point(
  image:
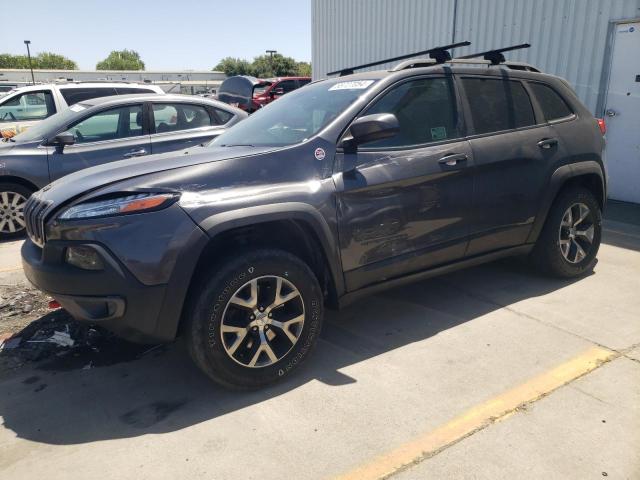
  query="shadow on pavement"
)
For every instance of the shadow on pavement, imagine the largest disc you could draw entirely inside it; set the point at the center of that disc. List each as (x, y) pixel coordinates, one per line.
(159, 390)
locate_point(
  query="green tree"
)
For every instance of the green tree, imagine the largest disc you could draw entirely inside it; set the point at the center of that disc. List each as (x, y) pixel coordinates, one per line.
(233, 66)
(44, 60)
(304, 69)
(48, 60)
(121, 60)
(266, 66)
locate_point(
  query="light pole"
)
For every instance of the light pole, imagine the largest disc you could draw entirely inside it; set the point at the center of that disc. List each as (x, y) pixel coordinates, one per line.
(271, 54)
(27, 42)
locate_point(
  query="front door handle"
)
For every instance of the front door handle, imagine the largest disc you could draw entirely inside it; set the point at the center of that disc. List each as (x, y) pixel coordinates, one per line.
(453, 159)
(610, 113)
(547, 143)
(135, 153)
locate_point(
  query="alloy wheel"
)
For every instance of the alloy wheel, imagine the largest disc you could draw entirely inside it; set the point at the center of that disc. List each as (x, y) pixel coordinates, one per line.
(576, 233)
(262, 321)
(12, 212)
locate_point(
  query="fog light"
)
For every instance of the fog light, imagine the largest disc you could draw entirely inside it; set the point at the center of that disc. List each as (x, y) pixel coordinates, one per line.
(83, 257)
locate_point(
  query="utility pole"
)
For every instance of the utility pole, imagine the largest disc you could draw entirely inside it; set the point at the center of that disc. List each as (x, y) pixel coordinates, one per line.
(33, 79)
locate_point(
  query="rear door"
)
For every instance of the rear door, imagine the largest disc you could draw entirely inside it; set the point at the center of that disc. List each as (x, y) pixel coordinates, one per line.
(176, 126)
(109, 135)
(406, 205)
(513, 150)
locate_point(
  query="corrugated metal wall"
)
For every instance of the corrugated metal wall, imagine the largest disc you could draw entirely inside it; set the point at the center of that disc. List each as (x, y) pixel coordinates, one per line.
(569, 37)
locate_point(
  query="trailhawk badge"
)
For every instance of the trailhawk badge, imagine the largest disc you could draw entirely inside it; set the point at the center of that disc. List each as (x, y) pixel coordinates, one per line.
(319, 153)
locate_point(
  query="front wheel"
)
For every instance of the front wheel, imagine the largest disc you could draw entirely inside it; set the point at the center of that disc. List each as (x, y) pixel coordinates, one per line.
(12, 201)
(570, 239)
(255, 320)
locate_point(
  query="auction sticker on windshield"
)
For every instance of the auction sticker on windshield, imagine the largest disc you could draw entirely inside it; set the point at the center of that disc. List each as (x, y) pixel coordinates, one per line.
(353, 85)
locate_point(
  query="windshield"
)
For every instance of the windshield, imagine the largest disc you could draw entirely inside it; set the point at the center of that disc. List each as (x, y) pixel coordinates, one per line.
(296, 116)
(51, 125)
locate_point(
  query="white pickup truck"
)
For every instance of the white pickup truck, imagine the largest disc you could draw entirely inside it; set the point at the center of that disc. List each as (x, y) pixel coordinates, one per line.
(25, 106)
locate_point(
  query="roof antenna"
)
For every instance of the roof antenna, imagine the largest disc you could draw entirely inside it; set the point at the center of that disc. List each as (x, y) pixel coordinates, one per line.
(496, 57)
(439, 54)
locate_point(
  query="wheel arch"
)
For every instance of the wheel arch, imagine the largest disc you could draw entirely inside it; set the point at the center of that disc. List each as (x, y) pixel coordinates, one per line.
(587, 174)
(19, 181)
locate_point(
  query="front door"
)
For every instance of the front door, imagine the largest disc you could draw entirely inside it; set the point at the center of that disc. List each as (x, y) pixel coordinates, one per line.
(107, 136)
(623, 115)
(405, 207)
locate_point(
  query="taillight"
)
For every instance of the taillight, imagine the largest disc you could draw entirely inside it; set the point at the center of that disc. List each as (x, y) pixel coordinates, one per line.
(603, 125)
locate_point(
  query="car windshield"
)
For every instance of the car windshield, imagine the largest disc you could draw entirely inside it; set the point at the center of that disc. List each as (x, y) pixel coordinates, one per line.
(296, 116)
(50, 126)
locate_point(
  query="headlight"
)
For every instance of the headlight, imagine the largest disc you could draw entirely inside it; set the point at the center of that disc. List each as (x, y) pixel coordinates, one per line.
(137, 203)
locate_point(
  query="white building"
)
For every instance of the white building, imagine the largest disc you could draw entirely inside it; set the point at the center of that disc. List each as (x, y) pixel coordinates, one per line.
(594, 44)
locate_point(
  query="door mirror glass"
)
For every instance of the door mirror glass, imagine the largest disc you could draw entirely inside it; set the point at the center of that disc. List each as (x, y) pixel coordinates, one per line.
(371, 128)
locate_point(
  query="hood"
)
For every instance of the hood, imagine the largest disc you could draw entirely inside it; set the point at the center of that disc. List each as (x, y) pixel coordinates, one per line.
(84, 181)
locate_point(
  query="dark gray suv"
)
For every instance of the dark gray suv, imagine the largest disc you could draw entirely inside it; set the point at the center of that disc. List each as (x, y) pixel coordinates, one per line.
(98, 131)
(343, 188)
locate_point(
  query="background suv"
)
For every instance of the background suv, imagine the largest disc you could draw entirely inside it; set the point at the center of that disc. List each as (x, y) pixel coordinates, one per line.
(23, 107)
(98, 131)
(267, 93)
(343, 188)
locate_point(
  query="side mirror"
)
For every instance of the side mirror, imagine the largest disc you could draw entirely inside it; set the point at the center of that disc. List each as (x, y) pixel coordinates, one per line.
(63, 139)
(276, 91)
(369, 129)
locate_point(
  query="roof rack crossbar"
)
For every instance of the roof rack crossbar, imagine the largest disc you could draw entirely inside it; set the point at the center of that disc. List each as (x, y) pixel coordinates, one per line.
(439, 54)
(496, 57)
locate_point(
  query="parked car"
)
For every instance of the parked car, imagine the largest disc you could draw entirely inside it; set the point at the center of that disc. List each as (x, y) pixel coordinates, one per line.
(239, 91)
(268, 92)
(98, 131)
(346, 187)
(23, 107)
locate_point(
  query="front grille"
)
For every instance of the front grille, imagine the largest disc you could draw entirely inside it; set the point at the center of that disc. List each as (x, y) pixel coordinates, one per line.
(34, 212)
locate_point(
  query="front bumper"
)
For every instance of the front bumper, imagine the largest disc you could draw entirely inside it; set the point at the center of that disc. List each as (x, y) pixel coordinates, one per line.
(112, 297)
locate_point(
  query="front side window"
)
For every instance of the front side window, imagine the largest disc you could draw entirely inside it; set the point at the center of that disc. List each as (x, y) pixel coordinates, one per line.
(498, 104)
(28, 106)
(73, 95)
(552, 104)
(113, 124)
(425, 109)
(173, 117)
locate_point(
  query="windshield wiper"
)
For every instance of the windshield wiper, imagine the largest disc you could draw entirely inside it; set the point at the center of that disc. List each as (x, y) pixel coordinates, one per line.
(236, 145)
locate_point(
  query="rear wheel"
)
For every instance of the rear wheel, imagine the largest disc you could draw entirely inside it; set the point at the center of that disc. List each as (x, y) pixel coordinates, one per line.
(12, 200)
(569, 242)
(255, 320)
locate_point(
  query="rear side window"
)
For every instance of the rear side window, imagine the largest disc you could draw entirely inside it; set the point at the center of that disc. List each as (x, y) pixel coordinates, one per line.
(28, 106)
(77, 95)
(497, 104)
(129, 90)
(223, 115)
(172, 117)
(425, 109)
(552, 104)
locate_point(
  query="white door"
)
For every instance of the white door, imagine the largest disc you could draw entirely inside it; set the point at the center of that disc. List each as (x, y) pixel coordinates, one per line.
(622, 114)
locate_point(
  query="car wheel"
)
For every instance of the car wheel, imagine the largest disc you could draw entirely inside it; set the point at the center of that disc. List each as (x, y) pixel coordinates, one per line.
(570, 239)
(255, 320)
(12, 200)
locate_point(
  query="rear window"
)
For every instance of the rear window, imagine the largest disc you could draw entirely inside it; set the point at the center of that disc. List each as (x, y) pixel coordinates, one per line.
(77, 95)
(552, 104)
(497, 104)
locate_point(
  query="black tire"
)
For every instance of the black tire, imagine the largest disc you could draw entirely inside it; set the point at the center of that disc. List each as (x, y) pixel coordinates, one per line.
(206, 310)
(9, 214)
(547, 254)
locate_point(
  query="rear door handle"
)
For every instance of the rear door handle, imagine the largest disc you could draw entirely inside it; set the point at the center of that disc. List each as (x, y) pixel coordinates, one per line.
(453, 159)
(547, 143)
(135, 153)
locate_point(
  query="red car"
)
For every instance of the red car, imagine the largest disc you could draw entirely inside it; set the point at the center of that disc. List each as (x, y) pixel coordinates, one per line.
(274, 88)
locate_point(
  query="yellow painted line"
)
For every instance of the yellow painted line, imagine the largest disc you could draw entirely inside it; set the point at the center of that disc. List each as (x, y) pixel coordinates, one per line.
(480, 416)
(10, 269)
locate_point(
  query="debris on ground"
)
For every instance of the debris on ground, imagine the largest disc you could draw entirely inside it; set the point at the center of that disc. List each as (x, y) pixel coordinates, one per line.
(19, 306)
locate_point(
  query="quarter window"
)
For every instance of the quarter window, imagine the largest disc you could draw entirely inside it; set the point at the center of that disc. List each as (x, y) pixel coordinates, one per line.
(498, 105)
(116, 123)
(425, 109)
(223, 115)
(28, 106)
(175, 117)
(552, 104)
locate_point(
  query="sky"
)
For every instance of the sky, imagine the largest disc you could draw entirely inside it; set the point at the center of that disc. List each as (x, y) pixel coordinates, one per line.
(168, 34)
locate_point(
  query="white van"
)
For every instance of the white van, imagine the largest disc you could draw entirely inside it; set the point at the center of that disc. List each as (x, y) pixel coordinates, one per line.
(25, 106)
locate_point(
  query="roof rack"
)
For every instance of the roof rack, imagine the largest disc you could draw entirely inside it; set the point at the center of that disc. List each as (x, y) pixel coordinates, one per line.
(496, 57)
(427, 62)
(437, 54)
